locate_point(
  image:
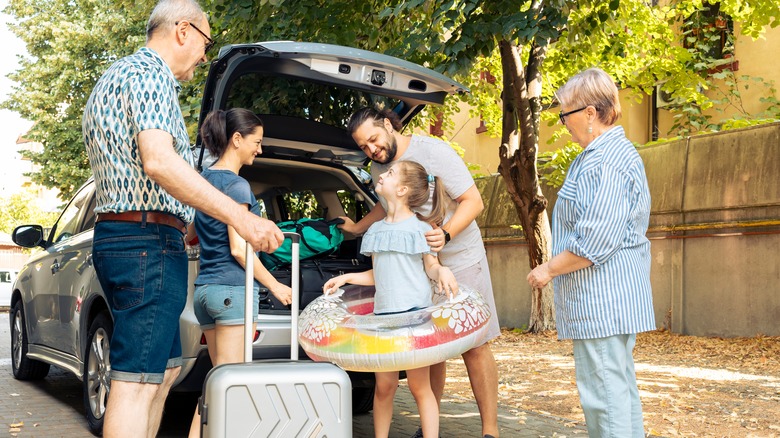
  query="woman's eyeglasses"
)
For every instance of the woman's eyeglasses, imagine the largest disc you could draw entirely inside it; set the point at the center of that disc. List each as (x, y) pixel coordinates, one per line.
(561, 115)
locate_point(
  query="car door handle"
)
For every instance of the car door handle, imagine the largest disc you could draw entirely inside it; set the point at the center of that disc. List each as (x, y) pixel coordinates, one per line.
(55, 267)
(84, 265)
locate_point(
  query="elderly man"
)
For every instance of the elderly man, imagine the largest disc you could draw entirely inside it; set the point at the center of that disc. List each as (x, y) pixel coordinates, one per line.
(458, 241)
(139, 150)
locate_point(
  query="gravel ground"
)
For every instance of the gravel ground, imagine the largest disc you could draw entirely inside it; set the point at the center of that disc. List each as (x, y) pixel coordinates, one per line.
(690, 386)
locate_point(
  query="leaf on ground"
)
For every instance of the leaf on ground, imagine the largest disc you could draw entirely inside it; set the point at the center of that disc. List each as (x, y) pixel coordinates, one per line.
(689, 385)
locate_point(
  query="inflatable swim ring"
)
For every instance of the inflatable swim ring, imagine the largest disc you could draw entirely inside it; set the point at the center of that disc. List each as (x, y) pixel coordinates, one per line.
(340, 328)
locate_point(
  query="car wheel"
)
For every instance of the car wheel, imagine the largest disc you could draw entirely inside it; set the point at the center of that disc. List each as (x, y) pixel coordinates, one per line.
(23, 367)
(362, 400)
(97, 370)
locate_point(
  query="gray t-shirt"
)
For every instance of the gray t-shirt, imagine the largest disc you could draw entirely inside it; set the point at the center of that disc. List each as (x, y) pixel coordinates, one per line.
(439, 159)
(399, 272)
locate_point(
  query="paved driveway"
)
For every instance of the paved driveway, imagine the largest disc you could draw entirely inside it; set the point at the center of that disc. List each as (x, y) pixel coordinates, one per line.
(53, 407)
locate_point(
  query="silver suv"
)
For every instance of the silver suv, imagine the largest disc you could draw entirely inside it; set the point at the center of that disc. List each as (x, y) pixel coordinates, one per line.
(310, 166)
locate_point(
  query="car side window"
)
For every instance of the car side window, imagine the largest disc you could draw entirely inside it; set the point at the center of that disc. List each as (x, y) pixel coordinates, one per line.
(89, 214)
(261, 207)
(68, 223)
(299, 205)
(353, 208)
(5, 277)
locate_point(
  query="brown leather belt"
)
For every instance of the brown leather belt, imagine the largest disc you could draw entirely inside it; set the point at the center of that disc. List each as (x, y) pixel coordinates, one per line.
(153, 217)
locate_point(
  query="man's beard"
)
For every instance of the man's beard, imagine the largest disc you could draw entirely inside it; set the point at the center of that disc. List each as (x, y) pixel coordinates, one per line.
(390, 150)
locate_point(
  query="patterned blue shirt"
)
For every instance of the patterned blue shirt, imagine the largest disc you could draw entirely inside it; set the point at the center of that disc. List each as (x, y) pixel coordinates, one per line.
(602, 214)
(137, 93)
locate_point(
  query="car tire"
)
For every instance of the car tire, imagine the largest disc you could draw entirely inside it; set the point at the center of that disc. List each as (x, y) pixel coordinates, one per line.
(97, 371)
(23, 367)
(362, 400)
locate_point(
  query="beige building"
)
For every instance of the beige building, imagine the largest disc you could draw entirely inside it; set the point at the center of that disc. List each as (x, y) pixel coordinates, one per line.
(757, 59)
(14, 177)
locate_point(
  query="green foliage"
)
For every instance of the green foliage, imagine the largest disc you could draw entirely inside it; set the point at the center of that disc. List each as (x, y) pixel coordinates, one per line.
(520, 330)
(68, 49)
(349, 203)
(657, 142)
(71, 43)
(20, 209)
(301, 204)
(554, 165)
(708, 38)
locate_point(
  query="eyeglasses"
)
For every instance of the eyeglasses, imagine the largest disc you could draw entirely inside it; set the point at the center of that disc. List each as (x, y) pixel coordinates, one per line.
(209, 42)
(561, 115)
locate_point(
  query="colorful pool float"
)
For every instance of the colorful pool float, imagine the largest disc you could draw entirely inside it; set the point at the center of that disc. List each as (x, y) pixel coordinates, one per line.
(342, 329)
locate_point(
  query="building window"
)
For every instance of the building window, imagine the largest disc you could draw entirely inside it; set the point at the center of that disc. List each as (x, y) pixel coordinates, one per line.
(708, 34)
(481, 128)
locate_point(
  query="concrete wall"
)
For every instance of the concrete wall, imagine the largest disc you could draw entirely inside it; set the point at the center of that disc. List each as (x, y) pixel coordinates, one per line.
(714, 230)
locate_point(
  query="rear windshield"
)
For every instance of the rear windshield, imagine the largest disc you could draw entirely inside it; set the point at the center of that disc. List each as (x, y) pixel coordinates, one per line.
(295, 97)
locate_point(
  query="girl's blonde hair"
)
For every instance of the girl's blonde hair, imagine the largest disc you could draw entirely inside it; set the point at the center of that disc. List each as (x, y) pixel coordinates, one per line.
(415, 177)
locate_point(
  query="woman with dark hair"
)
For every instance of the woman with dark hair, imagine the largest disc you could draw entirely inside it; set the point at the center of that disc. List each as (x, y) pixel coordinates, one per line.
(234, 136)
(601, 257)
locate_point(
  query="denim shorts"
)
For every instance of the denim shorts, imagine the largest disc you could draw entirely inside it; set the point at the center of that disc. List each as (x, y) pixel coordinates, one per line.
(143, 272)
(222, 304)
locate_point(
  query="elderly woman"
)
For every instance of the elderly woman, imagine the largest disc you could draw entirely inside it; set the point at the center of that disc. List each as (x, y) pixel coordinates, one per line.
(601, 258)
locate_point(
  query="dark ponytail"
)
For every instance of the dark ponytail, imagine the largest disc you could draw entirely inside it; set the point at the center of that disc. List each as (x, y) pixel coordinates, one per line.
(376, 116)
(219, 126)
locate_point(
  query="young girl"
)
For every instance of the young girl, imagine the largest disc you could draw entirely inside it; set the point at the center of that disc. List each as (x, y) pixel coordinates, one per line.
(235, 136)
(402, 258)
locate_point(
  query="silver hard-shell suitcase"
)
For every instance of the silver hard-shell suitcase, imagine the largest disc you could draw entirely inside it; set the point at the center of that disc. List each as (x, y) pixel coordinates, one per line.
(276, 398)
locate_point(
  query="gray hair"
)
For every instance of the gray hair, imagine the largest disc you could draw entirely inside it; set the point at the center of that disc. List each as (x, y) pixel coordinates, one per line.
(168, 12)
(592, 87)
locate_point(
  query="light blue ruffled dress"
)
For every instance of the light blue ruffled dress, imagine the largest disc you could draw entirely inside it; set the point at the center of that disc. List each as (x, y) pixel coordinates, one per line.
(399, 272)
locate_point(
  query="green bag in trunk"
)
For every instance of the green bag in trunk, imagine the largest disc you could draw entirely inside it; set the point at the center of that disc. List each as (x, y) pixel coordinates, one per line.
(318, 238)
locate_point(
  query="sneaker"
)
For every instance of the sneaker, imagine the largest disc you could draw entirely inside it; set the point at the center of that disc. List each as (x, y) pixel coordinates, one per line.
(419, 433)
(488, 436)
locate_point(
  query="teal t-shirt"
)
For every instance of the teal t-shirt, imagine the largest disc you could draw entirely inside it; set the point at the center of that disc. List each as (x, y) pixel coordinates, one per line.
(217, 264)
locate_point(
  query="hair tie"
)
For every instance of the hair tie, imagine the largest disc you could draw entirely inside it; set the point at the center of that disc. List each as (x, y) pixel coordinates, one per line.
(430, 178)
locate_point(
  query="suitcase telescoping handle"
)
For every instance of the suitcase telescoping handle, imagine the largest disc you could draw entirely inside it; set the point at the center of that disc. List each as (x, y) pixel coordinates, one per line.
(248, 298)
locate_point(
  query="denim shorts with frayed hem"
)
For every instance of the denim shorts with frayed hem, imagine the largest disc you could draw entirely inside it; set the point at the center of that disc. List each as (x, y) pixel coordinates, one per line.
(222, 304)
(142, 269)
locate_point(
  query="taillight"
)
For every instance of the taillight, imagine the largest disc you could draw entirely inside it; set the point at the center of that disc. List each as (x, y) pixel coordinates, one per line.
(193, 252)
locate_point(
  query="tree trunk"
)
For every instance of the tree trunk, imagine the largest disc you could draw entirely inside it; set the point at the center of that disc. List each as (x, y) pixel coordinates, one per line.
(518, 152)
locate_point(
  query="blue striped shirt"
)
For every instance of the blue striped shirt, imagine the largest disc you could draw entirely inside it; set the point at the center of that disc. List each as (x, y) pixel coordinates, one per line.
(602, 214)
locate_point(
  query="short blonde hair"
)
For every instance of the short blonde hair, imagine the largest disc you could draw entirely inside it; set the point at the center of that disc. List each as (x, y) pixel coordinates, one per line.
(592, 87)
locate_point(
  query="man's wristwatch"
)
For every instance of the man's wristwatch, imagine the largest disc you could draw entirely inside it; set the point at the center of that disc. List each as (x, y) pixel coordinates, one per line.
(446, 236)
